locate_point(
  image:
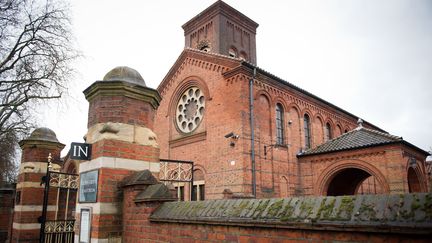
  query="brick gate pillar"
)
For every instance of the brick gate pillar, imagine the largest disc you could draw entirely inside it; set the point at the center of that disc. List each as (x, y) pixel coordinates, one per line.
(120, 123)
(29, 190)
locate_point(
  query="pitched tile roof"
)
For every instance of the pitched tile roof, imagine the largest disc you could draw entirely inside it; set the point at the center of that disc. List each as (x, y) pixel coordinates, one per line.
(358, 138)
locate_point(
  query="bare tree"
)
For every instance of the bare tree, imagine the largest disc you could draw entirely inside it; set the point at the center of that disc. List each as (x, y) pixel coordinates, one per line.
(36, 55)
(8, 163)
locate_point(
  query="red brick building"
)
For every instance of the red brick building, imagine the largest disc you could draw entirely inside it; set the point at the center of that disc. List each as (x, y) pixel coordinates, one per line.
(214, 88)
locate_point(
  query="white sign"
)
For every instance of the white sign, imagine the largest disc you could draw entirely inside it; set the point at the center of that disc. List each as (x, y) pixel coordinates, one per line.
(85, 226)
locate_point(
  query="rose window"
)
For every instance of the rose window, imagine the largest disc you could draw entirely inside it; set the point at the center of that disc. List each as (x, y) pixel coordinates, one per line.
(190, 110)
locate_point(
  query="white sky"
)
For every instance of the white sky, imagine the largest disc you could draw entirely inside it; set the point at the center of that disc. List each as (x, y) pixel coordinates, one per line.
(371, 58)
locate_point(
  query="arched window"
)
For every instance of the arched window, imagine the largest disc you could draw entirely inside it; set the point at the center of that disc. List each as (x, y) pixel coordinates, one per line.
(328, 132)
(279, 125)
(306, 124)
(198, 188)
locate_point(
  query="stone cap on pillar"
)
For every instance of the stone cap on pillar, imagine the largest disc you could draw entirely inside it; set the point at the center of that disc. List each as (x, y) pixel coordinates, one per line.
(144, 177)
(123, 81)
(42, 136)
(125, 74)
(157, 192)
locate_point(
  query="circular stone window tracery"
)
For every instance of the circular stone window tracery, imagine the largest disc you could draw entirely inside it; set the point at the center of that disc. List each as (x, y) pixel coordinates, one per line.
(190, 109)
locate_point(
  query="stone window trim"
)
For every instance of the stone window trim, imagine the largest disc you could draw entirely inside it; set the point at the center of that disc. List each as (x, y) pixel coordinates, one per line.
(190, 110)
(183, 86)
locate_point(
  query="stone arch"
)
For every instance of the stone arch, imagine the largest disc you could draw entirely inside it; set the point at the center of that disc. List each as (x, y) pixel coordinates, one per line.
(415, 178)
(355, 171)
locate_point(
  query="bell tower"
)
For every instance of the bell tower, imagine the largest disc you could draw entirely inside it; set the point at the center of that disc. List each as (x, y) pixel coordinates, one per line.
(222, 29)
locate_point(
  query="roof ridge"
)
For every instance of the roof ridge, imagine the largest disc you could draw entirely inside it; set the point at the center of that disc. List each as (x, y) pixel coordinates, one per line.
(388, 135)
(359, 137)
(331, 140)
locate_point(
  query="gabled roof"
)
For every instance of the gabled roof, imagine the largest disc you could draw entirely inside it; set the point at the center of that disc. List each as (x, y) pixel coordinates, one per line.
(229, 62)
(358, 138)
(235, 64)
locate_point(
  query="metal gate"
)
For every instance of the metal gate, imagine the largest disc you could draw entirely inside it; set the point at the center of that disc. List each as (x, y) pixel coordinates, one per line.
(174, 171)
(57, 224)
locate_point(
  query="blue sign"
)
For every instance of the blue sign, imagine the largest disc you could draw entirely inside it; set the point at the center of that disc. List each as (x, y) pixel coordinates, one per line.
(88, 186)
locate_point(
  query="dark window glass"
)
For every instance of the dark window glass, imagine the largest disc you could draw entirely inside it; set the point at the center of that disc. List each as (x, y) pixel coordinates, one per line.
(328, 132)
(306, 123)
(279, 124)
(194, 193)
(180, 192)
(202, 192)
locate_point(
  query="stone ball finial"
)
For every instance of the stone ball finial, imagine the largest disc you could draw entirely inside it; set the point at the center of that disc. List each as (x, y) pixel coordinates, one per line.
(125, 74)
(43, 134)
(360, 122)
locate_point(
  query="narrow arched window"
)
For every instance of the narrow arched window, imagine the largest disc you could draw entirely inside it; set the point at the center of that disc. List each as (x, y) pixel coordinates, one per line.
(279, 125)
(328, 132)
(306, 124)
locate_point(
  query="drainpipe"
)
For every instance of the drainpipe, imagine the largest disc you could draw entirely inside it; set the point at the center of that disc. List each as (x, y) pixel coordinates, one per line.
(251, 81)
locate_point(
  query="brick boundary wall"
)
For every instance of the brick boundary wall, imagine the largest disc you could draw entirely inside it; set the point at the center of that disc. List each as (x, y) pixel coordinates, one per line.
(369, 218)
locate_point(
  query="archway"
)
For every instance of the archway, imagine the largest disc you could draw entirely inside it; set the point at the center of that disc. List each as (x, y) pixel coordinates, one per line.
(346, 181)
(413, 181)
(347, 177)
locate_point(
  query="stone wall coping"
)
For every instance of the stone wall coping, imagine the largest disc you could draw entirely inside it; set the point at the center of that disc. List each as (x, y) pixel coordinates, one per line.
(396, 213)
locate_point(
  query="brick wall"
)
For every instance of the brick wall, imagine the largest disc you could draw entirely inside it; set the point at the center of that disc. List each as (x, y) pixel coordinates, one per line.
(271, 220)
(225, 83)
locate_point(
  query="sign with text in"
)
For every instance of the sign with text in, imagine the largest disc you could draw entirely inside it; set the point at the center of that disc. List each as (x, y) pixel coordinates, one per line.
(80, 151)
(88, 186)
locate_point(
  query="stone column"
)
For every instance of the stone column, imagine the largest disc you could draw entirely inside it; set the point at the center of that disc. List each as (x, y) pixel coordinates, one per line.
(30, 191)
(120, 123)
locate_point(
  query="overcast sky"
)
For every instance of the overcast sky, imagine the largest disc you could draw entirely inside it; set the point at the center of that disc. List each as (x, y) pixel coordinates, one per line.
(372, 58)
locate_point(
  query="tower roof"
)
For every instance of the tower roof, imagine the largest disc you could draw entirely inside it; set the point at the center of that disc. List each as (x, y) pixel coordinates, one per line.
(125, 74)
(220, 7)
(43, 134)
